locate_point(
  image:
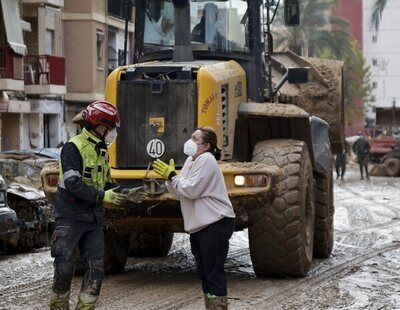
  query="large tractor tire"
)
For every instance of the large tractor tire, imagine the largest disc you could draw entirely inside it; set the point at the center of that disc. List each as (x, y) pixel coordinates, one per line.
(144, 244)
(281, 235)
(324, 211)
(115, 253)
(392, 167)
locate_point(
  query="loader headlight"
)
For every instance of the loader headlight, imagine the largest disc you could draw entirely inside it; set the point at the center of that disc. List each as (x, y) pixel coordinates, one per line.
(239, 180)
(251, 180)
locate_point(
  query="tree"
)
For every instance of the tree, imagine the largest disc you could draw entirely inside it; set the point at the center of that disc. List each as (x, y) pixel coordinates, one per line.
(318, 31)
(377, 11)
(324, 36)
(357, 85)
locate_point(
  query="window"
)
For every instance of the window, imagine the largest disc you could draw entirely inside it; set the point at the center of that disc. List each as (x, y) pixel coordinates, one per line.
(374, 39)
(375, 85)
(117, 8)
(99, 45)
(49, 42)
(122, 57)
(216, 26)
(374, 61)
(112, 49)
(222, 25)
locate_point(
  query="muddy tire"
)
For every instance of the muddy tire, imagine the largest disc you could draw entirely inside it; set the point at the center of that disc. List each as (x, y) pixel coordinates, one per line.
(144, 244)
(392, 167)
(281, 235)
(324, 211)
(115, 253)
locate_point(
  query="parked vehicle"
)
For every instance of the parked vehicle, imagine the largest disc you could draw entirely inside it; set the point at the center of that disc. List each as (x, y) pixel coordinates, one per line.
(380, 147)
(26, 217)
(9, 227)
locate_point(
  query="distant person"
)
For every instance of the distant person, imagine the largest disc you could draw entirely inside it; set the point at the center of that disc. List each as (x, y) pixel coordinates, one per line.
(340, 165)
(341, 161)
(362, 148)
(206, 31)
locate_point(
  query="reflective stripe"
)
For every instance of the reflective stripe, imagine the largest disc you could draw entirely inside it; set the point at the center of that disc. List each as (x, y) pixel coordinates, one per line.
(61, 184)
(71, 173)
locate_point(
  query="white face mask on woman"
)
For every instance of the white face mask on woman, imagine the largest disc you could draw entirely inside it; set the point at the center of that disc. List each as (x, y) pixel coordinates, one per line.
(190, 148)
(110, 136)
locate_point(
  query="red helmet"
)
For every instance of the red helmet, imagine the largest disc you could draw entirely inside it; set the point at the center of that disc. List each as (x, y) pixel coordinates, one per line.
(101, 113)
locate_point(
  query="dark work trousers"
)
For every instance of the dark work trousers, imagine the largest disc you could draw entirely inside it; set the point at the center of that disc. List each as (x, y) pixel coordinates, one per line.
(340, 165)
(89, 237)
(363, 163)
(210, 249)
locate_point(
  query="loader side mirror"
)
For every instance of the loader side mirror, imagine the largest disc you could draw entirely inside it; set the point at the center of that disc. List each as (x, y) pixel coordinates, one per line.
(298, 75)
(292, 12)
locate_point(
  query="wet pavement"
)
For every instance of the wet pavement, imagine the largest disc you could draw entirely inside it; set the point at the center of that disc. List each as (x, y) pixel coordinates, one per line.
(363, 271)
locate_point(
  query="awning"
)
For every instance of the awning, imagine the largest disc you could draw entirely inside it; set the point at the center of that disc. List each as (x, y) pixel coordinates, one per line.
(12, 22)
(26, 26)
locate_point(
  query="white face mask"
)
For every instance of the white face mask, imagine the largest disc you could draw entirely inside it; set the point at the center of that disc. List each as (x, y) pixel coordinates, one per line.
(190, 148)
(110, 136)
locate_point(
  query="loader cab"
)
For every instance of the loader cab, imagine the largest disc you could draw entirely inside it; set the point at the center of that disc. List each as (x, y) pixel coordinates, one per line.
(216, 27)
(216, 30)
(210, 30)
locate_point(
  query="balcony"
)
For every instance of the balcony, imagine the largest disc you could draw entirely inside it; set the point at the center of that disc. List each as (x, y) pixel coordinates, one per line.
(11, 70)
(44, 74)
(56, 3)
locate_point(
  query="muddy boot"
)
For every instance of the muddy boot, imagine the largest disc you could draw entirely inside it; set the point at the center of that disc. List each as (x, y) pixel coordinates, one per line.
(86, 301)
(206, 301)
(217, 303)
(59, 301)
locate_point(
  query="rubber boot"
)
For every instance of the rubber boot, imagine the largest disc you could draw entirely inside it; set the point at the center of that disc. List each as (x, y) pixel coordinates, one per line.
(206, 301)
(217, 303)
(86, 301)
(59, 301)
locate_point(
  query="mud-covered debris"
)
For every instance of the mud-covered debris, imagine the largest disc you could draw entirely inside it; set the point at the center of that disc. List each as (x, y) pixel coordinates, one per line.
(272, 109)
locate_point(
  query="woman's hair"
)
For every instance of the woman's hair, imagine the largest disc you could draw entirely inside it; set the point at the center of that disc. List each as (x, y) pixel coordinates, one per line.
(209, 136)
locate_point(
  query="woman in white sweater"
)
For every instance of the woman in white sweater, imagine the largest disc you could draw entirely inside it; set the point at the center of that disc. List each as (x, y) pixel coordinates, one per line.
(207, 211)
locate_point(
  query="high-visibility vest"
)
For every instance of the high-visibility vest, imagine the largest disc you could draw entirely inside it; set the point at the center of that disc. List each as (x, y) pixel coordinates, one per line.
(96, 170)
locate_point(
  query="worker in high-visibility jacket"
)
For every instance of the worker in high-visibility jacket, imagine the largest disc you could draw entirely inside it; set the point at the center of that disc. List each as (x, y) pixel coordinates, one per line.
(84, 184)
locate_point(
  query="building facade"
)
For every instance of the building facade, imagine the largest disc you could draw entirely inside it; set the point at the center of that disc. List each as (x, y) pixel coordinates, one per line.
(381, 51)
(94, 42)
(55, 56)
(352, 12)
(32, 74)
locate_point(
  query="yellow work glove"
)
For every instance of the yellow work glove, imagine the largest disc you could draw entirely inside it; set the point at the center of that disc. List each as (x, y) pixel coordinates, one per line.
(136, 194)
(114, 197)
(164, 170)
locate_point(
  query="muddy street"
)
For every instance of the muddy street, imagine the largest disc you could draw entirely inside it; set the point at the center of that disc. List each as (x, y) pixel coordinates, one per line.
(362, 273)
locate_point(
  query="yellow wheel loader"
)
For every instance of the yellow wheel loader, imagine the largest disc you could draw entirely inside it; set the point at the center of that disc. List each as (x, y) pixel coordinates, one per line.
(278, 116)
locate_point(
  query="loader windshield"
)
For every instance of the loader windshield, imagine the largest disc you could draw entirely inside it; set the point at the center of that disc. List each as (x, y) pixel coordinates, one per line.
(216, 26)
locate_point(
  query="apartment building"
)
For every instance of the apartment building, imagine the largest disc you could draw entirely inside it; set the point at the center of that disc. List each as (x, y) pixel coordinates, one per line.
(55, 56)
(352, 12)
(381, 51)
(93, 44)
(32, 74)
